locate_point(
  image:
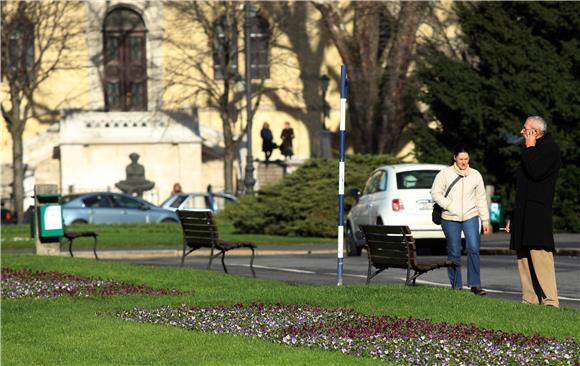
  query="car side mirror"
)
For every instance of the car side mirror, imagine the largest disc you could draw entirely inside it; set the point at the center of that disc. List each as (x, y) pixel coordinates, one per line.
(354, 193)
(145, 207)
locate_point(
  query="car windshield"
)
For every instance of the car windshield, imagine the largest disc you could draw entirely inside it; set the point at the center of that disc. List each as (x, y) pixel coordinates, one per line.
(416, 179)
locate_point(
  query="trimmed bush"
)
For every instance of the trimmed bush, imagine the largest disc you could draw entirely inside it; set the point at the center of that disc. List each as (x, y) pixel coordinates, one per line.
(305, 202)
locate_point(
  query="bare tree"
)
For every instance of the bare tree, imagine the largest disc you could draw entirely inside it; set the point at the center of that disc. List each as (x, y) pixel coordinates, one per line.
(35, 39)
(207, 73)
(377, 51)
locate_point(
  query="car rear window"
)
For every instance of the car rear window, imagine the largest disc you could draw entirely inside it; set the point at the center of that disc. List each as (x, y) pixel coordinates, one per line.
(68, 198)
(416, 179)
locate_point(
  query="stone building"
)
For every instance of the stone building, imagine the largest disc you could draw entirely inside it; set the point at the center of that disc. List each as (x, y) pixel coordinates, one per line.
(140, 81)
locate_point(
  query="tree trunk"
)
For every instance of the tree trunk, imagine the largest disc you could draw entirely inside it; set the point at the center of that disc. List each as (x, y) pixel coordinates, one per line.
(400, 57)
(359, 54)
(229, 158)
(17, 174)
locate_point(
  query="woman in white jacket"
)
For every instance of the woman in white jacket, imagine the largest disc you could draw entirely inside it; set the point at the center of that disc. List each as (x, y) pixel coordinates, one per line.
(464, 209)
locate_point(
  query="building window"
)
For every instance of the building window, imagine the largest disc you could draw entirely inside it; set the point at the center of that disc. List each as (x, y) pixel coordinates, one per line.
(125, 61)
(225, 51)
(18, 50)
(260, 48)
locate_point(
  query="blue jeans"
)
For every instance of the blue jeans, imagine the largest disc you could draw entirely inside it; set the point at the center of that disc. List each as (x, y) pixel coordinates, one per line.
(452, 230)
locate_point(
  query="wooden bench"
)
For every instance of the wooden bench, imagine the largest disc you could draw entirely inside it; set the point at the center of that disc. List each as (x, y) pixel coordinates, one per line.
(200, 231)
(72, 235)
(394, 247)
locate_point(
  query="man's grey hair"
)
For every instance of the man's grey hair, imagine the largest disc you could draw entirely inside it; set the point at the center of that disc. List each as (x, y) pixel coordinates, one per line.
(540, 123)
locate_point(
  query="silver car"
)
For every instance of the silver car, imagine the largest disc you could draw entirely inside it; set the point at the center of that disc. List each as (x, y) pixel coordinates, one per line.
(394, 195)
(198, 200)
(112, 208)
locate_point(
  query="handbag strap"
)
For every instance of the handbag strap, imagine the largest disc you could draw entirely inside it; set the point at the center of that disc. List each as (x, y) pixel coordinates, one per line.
(452, 184)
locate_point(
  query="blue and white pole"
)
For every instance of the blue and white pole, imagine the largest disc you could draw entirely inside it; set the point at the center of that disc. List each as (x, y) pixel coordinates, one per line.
(343, 96)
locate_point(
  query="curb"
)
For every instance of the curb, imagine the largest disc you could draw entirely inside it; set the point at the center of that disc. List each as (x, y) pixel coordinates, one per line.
(176, 253)
(144, 254)
(506, 251)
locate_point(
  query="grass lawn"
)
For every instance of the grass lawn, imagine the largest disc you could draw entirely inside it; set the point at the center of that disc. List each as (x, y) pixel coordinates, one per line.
(142, 236)
(73, 330)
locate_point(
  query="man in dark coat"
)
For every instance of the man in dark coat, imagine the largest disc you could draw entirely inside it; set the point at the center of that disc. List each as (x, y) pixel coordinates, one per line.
(531, 223)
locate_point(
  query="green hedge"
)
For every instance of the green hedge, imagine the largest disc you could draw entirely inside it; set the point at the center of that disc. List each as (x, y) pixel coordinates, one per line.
(305, 202)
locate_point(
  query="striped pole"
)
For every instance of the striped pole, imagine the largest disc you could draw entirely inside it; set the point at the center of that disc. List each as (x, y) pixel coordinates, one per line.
(343, 96)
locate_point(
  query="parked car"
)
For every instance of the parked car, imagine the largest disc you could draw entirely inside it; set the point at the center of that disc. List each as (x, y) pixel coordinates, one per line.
(394, 195)
(112, 208)
(198, 200)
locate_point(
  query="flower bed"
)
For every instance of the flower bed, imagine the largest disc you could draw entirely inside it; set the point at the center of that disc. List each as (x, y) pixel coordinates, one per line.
(404, 340)
(26, 283)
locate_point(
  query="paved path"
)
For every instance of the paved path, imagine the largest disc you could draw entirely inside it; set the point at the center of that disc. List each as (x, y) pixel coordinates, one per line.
(316, 264)
(499, 273)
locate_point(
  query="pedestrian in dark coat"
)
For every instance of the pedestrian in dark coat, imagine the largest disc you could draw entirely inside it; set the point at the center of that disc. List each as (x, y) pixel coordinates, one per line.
(268, 144)
(287, 136)
(531, 222)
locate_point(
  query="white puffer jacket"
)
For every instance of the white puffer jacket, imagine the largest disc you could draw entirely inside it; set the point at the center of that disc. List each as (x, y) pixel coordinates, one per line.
(466, 199)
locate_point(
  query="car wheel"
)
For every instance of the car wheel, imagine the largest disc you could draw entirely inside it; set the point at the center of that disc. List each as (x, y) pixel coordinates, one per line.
(379, 221)
(79, 222)
(352, 249)
(168, 221)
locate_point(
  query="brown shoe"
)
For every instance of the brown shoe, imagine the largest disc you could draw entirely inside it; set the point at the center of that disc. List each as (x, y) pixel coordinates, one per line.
(478, 291)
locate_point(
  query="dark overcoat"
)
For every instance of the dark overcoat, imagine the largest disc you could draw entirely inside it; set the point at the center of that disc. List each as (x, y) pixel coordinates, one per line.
(531, 222)
(267, 140)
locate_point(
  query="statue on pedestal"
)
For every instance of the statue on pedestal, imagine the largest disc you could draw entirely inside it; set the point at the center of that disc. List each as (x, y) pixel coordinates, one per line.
(135, 184)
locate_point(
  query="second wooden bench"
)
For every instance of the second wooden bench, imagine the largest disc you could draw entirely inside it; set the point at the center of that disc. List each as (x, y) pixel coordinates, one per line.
(394, 247)
(200, 231)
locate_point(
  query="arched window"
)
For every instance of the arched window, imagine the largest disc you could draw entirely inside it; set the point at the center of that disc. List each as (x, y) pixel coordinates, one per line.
(18, 49)
(225, 51)
(125, 61)
(260, 48)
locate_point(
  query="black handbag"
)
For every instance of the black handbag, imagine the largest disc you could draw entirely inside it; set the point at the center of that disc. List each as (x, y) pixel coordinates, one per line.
(437, 210)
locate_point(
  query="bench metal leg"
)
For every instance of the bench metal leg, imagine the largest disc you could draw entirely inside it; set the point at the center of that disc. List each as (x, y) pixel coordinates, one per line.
(374, 274)
(95, 248)
(185, 255)
(252, 263)
(370, 267)
(211, 255)
(223, 262)
(70, 247)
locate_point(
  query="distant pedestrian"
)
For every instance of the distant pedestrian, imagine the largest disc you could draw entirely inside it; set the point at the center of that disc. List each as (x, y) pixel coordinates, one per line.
(460, 191)
(287, 136)
(531, 220)
(268, 144)
(210, 199)
(176, 189)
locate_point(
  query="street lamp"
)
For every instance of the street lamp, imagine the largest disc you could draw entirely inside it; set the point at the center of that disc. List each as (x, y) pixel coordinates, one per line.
(324, 80)
(249, 15)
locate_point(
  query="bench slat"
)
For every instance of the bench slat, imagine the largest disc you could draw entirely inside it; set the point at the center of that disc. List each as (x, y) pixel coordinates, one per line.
(205, 234)
(381, 261)
(389, 251)
(379, 229)
(387, 244)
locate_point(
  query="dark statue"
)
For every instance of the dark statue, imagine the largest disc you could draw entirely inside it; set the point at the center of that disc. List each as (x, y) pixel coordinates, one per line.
(135, 184)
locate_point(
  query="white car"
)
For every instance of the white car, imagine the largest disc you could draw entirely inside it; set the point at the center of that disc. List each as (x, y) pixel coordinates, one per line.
(394, 195)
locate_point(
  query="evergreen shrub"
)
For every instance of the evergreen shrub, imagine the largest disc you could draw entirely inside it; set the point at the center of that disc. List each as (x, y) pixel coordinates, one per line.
(305, 202)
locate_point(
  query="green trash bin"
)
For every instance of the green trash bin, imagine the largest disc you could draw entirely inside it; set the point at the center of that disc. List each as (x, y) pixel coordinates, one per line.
(496, 212)
(50, 222)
